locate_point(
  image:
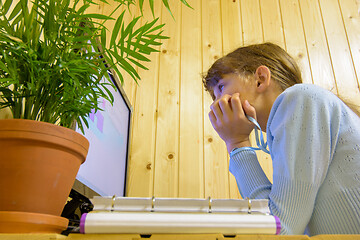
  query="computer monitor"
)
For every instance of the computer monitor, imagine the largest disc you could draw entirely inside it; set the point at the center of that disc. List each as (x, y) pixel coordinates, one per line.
(105, 168)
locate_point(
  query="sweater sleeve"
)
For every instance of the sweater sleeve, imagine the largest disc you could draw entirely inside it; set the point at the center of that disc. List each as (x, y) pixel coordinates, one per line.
(299, 139)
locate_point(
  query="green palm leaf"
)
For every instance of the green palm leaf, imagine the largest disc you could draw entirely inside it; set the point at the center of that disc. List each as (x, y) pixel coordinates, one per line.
(53, 55)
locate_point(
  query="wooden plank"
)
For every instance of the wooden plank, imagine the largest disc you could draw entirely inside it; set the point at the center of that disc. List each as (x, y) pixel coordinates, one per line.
(191, 164)
(141, 163)
(251, 22)
(232, 39)
(252, 34)
(345, 77)
(316, 44)
(272, 27)
(167, 132)
(294, 35)
(336, 237)
(350, 10)
(231, 25)
(271, 22)
(215, 154)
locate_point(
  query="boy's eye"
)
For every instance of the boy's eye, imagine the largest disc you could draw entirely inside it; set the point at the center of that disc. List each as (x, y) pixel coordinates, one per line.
(221, 87)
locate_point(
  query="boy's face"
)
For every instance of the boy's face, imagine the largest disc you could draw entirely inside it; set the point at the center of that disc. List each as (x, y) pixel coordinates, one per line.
(234, 83)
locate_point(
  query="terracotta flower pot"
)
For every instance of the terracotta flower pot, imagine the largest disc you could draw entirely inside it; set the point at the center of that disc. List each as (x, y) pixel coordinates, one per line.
(38, 165)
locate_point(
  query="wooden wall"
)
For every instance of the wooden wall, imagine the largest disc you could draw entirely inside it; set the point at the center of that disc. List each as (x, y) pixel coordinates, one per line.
(174, 150)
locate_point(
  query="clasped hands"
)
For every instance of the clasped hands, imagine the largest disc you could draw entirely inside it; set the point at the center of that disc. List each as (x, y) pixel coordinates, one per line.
(228, 117)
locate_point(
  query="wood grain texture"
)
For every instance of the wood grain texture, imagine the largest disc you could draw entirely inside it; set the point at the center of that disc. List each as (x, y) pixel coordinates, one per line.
(174, 149)
(271, 22)
(191, 164)
(215, 154)
(318, 50)
(350, 12)
(232, 39)
(339, 49)
(167, 117)
(295, 39)
(142, 161)
(251, 22)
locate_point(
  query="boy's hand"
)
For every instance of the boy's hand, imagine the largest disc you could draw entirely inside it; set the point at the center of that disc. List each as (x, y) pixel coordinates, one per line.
(228, 117)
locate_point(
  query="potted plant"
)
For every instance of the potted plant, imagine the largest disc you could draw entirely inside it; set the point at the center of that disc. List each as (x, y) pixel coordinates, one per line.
(50, 71)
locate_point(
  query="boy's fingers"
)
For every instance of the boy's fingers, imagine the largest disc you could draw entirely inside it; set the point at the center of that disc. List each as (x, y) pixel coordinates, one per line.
(236, 104)
(212, 118)
(249, 110)
(215, 109)
(224, 104)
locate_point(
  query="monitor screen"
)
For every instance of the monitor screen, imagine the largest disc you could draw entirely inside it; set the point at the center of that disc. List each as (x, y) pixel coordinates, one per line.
(105, 168)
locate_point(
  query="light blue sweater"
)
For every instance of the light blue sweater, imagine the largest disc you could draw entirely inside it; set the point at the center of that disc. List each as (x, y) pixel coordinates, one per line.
(314, 141)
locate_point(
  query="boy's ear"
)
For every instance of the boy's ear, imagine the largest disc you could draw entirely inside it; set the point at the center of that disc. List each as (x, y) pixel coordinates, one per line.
(263, 78)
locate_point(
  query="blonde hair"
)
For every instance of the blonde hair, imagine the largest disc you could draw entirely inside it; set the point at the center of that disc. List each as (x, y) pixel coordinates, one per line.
(245, 61)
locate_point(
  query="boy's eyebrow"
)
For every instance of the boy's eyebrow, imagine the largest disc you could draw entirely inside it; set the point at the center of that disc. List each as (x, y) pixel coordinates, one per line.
(219, 81)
